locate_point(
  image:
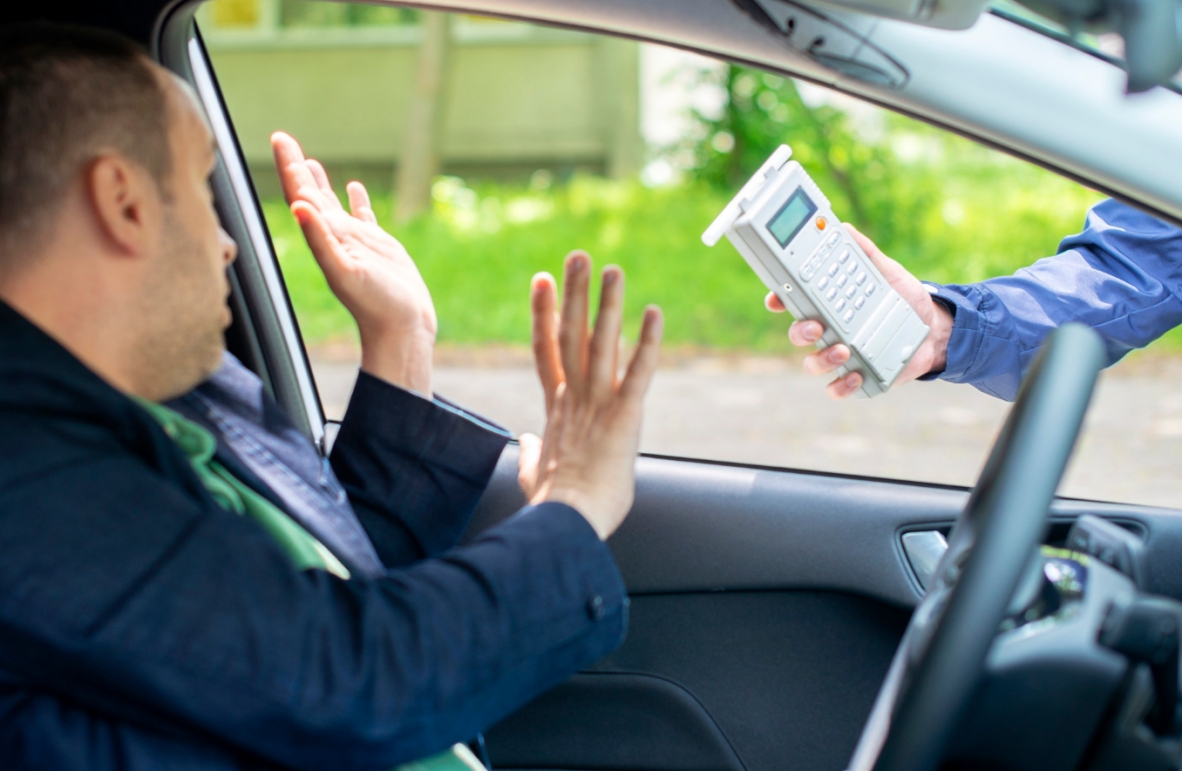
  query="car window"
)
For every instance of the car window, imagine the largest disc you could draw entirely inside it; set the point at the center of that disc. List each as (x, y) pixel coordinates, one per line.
(548, 140)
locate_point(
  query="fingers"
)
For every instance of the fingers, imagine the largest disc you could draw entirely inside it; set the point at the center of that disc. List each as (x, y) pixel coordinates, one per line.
(544, 309)
(321, 177)
(867, 245)
(291, 165)
(324, 245)
(844, 386)
(644, 359)
(359, 203)
(528, 459)
(831, 358)
(805, 332)
(572, 328)
(773, 304)
(325, 202)
(826, 361)
(885, 264)
(302, 178)
(605, 340)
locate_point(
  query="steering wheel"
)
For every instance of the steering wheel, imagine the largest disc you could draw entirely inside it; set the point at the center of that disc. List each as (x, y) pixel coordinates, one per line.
(991, 549)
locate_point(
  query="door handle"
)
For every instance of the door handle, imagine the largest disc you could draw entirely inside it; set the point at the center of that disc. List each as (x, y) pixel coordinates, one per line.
(924, 550)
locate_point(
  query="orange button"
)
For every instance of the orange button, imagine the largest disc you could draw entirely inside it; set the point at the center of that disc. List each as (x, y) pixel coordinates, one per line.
(821, 223)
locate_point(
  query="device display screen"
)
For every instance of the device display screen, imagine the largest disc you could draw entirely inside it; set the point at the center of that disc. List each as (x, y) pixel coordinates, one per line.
(791, 217)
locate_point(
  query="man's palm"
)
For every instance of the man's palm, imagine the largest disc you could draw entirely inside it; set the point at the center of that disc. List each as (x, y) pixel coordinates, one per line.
(367, 269)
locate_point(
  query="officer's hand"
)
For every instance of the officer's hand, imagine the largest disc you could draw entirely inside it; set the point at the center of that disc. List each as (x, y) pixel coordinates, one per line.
(587, 456)
(931, 353)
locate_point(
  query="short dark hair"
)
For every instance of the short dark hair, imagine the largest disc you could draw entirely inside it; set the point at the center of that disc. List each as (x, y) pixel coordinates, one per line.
(68, 94)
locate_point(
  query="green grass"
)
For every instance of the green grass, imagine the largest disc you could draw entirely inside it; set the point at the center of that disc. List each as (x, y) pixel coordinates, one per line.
(479, 247)
(478, 260)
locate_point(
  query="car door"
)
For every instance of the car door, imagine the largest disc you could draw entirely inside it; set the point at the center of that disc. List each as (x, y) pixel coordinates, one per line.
(766, 606)
(766, 601)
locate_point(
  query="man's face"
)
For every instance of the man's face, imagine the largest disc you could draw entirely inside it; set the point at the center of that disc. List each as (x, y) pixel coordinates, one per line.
(187, 286)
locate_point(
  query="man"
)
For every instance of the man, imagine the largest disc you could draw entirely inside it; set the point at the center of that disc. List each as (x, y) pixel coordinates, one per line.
(1121, 276)
(166, 599)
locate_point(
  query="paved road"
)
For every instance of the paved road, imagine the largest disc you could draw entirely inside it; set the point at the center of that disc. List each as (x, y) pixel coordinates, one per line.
(767, 412)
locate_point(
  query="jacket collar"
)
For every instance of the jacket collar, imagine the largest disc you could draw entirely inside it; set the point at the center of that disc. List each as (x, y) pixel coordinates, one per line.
(39, 375)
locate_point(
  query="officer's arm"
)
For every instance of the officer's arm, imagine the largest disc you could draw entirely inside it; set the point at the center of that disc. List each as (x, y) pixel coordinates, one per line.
(1120, 276)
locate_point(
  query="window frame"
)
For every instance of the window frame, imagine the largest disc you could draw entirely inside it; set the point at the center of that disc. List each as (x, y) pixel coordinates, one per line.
(269, 333)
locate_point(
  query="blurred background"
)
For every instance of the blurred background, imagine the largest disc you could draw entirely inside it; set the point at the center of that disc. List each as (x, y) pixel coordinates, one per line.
(493, 148)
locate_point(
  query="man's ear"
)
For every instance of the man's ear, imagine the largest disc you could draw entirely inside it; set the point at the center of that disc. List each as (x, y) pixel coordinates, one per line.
(125, 202)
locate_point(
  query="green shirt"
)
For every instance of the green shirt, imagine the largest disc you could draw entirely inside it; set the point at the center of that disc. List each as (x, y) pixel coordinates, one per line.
(305, 550)
(198, 445)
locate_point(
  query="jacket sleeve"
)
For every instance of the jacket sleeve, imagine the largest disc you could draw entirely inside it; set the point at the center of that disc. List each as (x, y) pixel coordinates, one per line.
(414, 469)
(144, 606)
(1122, 276)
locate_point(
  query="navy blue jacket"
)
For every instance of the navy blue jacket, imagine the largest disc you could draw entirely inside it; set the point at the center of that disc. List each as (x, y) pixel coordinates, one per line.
(144, 627)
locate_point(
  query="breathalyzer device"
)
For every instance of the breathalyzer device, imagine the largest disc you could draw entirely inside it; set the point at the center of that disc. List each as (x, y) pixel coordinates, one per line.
(785, 229)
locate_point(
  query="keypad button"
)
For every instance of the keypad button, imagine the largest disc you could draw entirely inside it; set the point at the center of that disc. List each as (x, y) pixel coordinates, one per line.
(851, 291)
(842, 280)
(840, 306)
(849, 316)
(823, 282)
(834, 237)
(852, 267)
(832, 269)
(861, 279)
(870, 289)
(859, 303)
(831, 293)
(845, 256)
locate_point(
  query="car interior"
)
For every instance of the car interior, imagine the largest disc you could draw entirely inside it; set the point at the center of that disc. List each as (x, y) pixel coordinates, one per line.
(800, 619)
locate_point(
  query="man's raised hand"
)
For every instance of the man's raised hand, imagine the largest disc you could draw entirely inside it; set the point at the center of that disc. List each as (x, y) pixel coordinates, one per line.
(930, 355)
(367, 269)
(587, 456)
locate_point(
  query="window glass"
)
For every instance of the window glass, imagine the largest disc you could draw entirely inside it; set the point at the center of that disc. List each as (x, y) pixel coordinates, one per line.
(548, 140)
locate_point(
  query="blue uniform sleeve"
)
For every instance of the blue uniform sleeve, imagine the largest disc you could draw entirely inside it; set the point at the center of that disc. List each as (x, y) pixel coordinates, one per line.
(414, 469)
(1122, 276)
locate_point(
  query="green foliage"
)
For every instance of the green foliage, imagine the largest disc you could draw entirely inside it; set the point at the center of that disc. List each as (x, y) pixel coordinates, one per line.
(763, 111)
(947, 209)
(479, 249)
(318, 15)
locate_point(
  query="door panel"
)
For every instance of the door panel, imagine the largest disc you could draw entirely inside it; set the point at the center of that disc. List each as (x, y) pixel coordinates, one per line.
(767, 605)
(712, 527)
(653, 722)
(785, 678)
